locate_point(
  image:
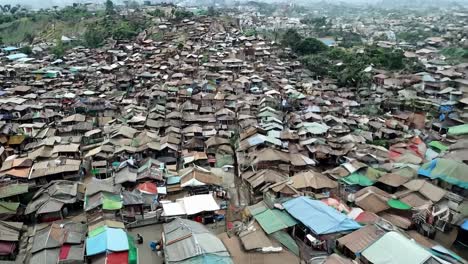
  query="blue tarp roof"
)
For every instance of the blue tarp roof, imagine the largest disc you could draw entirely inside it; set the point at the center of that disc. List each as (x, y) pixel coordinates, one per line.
(328, 41)
(10, 48)
(319, 217)
(113, 239)
(464, 226)
(173, 180)
(17, 56)
(451, 171)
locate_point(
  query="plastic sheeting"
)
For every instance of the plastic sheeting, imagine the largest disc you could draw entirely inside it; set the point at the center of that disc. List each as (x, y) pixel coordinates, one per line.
(111, 240)
(188, 241)
(7, 248)
(451, 171)
(191, 205)
(358, 179)
(274, 220)
(108, 201)
(319, 217)
(393, 248)
(132, 250)
(117, 258)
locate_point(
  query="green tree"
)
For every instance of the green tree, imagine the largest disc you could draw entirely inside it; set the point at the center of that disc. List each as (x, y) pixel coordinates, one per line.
(338, 53)
(291, 38)
(124, 31)
(157, 13)
(180, 15)
(15, 9)
(94, 36)
(110, 10)
(318, 64)
(211, 11)
(59, 49)
(29, 38)
(310, 46)
(173, 10)
(26, 50)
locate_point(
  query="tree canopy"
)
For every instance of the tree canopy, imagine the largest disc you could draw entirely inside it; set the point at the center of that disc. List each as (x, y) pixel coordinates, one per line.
(309, 46)
(290, 38)
(110, 10)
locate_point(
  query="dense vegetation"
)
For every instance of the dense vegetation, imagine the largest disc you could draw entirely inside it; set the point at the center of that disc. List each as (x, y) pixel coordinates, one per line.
(455, 54)
(91, 28)
(346, 65)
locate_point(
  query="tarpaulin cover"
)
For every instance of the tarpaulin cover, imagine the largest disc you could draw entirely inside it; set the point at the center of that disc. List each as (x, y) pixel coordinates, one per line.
(393, 248)
(286, 240)
(108, 201)
(274, 220)
(408, 153)
(97, 231)
(319, 217)
(397, 204)
(464, 226)
(451, 171)
(112, 202)
(458, 130)
(64, 250)
(173, 180)
(132, 250)
(117, 258)
(207, 259)
(200, 203)
(366, 218)
(148, 187)
(358, 179)
(438, 145)
(8, 207)
(7, 248)
(112, 239)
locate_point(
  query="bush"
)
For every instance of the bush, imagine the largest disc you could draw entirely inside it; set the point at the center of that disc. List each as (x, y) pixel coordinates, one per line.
(94, 36)
(310, 46)
(124, 31)
(59, 49)
(157, 13)
(180, 15)
(26, 50)
(291, 38)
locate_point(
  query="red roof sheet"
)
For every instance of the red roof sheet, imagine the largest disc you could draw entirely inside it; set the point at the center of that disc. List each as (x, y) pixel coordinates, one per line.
(148, 187)
(117, 258)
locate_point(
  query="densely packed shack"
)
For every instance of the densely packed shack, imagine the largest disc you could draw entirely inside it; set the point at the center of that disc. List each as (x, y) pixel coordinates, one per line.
(209, 125)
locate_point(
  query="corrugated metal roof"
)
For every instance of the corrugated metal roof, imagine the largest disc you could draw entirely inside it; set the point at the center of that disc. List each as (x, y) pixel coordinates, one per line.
(13, 189)
(273, 220)
(360, 239)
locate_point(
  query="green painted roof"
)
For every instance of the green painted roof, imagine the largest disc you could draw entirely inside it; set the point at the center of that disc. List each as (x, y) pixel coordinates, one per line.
(374, 174)
(272, 220)
(97, 231)
(397, 204)
(132, 250)
(8, 208)
(451, 171)
(438, 145)
(358, 179)
(112, 202)
(13, 189)
(458, 130)
(393, 248)
(286, 240)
